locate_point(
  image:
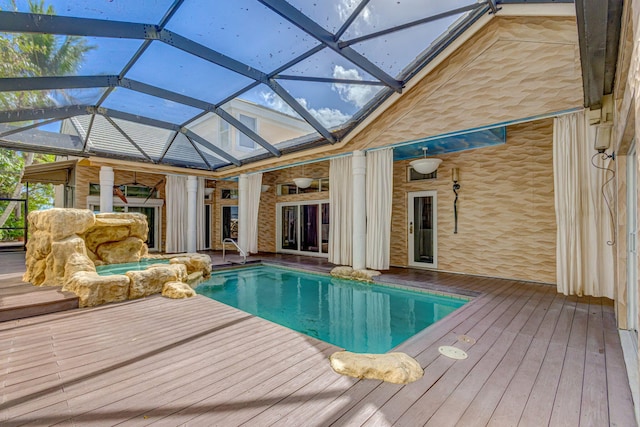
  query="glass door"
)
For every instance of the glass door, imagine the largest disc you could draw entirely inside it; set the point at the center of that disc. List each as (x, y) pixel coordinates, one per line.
(422, 229)
(289, 221)
(303, 228)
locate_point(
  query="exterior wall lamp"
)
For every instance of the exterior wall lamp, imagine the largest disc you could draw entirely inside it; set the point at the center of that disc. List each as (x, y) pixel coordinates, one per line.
(455, 176)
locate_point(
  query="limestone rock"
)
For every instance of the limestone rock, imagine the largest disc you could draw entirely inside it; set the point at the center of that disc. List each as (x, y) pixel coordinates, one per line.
(78, 262)
(127, 250)
(93, 289)
(194, 262)
(35, 272)
(194, 279)
(342, 271)
(177, 290)
(61, 223)
(99, 234)
(347, 272)
(39, 244)
(397, 368)
(364, 275)
(56, 261)
(135, 222)
(151, 281)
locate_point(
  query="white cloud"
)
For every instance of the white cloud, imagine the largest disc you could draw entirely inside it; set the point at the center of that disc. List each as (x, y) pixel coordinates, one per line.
(328, 117)
(357, 95)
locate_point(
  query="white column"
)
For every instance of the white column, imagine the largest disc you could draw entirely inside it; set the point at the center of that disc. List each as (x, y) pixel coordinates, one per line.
(359, 168)
(192, 220)
(106, 189)
(243, 205)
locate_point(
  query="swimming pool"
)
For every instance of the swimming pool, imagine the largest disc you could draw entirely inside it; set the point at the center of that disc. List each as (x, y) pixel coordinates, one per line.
(362, 318)
(109, 269)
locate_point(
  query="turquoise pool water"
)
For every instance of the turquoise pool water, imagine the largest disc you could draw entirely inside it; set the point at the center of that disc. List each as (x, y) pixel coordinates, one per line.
(358, 317)
(106, 270)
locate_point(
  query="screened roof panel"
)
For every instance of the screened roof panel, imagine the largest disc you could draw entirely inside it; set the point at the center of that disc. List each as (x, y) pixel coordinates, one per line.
(380, 15)
(182, 152)
(333, 104)
(137, 103)
(242, 29)
(101, 55)
(147, 11)
(169, 68)
(151, 139)
(331, 14)
(49, 98)
(327, 63)
(277, 122)
(103, 137)
(294, 79)
(395, 51)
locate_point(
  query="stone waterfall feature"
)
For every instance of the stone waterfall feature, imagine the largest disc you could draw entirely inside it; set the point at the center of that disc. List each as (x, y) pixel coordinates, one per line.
(65, 245)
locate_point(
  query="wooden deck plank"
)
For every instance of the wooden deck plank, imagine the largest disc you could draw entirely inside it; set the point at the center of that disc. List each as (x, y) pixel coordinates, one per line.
(165, 360)
(594, 409)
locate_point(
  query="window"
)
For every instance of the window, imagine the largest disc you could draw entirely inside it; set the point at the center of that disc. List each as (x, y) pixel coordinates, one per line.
(317, 185)
(243, 140)
(224, 133)
(139, 191)
(229, 193)
(412, 175)
(230, 222)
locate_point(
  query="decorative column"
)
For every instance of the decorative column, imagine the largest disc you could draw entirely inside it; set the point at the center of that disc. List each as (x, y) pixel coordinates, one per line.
(243, 215)
(192, 191)
(359, 170)
(106, 189)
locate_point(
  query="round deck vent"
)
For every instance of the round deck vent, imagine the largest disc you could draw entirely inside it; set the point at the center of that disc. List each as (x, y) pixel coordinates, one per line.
(452, 352)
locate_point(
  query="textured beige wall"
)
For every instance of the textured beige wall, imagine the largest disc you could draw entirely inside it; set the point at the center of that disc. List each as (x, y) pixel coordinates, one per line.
(506, 216)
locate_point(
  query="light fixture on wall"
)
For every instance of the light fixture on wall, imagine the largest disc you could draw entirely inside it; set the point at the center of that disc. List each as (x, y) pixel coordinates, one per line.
(426, 165)
(455, 176)
(264, 188)
(302, 182)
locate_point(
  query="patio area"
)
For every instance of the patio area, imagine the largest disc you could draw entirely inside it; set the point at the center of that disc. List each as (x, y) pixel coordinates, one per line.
(540, 358)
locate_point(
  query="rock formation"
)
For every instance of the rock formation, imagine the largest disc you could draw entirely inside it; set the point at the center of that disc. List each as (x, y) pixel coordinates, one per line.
(346, 272)
(66, 244)
(397, 368)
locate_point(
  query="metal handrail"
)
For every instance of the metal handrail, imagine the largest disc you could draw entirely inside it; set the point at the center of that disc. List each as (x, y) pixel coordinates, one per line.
(233, 242)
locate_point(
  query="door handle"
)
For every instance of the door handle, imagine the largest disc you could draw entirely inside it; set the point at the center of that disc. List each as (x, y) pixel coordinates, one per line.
(411, 228)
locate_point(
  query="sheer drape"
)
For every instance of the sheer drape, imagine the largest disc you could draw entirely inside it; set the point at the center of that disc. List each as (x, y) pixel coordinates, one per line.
(584, 260)
(176, 206)
(254, 188)
(341, 200)
(379, 198)
(201, 242)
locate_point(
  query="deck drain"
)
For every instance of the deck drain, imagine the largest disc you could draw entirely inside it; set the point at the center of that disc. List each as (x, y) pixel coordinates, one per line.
(452, 352)
(467, 339)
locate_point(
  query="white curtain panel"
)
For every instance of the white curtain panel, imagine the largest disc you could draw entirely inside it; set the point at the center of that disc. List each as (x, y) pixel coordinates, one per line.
(201, 242)
(254, 188)
(379, 198)
(176, 203)
(584, 254)
(341, 202)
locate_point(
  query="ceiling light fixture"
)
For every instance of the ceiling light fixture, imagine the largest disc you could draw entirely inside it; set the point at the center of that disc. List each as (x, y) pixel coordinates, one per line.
(426, 165)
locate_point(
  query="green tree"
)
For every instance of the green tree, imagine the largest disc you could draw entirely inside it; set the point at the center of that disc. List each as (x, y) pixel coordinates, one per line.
(32, 55)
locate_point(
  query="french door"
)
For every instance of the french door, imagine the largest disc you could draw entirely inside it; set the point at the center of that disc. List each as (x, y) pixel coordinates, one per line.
(303, 228)
(422, 230)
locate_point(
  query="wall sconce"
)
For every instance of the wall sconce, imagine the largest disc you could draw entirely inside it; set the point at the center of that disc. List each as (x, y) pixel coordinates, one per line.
(264, 188)
(455, 176)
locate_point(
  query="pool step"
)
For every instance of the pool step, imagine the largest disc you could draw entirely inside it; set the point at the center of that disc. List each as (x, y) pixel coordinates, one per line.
(19, 300)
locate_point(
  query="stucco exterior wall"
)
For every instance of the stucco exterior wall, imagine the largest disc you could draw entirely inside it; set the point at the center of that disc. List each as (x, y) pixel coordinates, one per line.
(506, 215)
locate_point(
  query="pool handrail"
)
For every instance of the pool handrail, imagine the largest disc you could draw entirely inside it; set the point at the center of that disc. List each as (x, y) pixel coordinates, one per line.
(233, 242)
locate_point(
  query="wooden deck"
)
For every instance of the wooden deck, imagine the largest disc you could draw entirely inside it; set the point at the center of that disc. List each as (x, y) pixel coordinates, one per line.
(540, 358)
